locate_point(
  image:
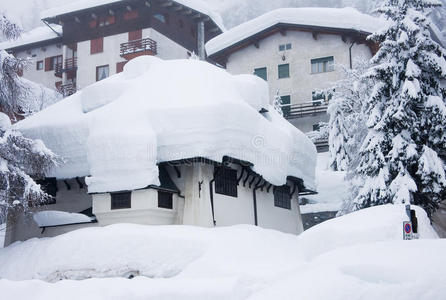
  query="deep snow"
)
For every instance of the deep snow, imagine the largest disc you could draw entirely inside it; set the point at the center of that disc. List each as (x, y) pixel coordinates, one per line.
(358, 256)
(118, 129)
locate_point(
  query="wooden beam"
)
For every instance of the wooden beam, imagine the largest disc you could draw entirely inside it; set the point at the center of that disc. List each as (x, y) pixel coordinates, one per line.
(197, 16)
(187, 12)
(167, 4)
(315, 34)
(283, 32)
(94, 16)
(111, 12)
(256, 44)
(77, 20)
(128, 7)
(147, 3)
(344, 38)
(178, 8)
(214, 30)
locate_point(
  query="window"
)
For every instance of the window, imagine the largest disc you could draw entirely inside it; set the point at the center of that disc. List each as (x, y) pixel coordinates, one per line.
(286, 102)
(97, 45)
(226, 182)
(322, 65)
(121, 200)
(282, 197)
(262, 73)
(165, 200)
(285, 47)
(39, 65)
(56, 62)
(102, 72)
(284, 71)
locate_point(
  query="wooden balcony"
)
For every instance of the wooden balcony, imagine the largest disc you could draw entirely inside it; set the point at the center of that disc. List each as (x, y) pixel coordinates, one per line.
(136, 48)
(68, 89)
(70, 64)
(304, 110)
(58, 69)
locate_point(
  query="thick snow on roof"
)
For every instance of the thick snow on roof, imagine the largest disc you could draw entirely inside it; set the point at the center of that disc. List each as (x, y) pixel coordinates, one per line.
(197, 5)
(56, 218)
(339, 18)
(36, 35)
(118, 129)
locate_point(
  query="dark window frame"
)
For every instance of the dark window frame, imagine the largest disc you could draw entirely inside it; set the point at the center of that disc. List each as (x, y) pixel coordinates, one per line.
(97, 72)
(286, 109)
(39, 63)
(322, 65)
(55, 60)
(258, 72)
(165, 200)
(282, 74)
(226, 182)
(121, 200)
(282, 197)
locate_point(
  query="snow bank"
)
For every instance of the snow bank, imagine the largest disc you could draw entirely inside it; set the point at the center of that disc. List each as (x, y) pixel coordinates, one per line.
(340, 18)
(331, 188)
(55, 218)
(359, 256)
(78, 5)
(39, 34)
(118, 129)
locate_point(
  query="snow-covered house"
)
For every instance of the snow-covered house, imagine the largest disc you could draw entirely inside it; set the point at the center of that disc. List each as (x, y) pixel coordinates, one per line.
(43, 47)
(95, 38)
(298, 51)
(170, 142)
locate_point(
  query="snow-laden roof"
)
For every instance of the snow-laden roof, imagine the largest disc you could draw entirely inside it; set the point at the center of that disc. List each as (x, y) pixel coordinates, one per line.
(338, 18)
(74, 6)
(118, 129)
(39, 34)
(56, 218)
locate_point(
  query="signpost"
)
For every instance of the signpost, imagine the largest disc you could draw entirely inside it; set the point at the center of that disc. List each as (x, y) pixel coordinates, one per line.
(407, 230)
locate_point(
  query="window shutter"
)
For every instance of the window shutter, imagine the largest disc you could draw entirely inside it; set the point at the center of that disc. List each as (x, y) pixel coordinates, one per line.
(47, 64)
(97, 45)
(120, 66)
(135, 35)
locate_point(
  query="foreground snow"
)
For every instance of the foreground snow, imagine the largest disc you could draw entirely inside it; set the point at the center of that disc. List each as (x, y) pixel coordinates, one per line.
(358, 256)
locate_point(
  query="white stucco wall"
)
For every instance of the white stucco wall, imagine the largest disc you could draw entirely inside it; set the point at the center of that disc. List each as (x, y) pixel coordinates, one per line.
(87, 62)
(144, 209)
(304, 48)
(48, 78)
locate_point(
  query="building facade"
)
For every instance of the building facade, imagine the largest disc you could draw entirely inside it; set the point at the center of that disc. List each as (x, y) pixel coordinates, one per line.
(300, 58)
(92, 42)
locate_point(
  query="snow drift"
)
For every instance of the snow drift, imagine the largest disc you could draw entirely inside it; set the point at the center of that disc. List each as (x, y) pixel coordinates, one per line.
(118, 129)
(359, 256)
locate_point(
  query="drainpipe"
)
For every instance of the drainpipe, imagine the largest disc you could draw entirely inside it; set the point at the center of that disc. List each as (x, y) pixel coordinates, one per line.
(200, 38)
(211, 191)
(350, 53)
(254, 199)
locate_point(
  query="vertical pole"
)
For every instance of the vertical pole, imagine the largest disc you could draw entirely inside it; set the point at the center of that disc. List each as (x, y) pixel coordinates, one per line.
(64, 57)
(200, 37)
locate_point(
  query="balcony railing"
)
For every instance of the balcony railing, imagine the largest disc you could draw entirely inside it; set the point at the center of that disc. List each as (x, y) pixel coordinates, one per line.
(68, 89)
(305, 109)
(137, 46)
(70, 64)
(58, 69)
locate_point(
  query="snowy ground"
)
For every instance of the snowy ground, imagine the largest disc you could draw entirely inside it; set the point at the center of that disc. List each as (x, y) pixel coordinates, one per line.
(331, 188)
(358, 256)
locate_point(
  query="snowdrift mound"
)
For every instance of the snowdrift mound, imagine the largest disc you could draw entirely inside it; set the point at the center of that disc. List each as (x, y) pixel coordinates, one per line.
(375, 224)
(359, 256)
(118, 129)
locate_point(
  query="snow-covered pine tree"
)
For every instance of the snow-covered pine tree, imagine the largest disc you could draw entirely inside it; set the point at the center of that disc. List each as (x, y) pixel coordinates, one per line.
(20, 157)
(277, 103)
(346, 124)
(399, 159)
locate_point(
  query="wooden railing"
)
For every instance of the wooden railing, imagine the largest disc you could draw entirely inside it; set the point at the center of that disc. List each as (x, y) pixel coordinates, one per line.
(58, 69)
(70, 63)
(141, 45)
(68, 89)
(305, 109)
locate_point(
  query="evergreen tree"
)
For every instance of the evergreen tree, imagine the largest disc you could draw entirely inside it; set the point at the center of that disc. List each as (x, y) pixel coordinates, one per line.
(346, 124)
(20, 157)
(406, 114)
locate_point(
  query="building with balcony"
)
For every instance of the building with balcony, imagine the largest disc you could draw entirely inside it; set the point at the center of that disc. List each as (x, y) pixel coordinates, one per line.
(86, 41)
(298, 51)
